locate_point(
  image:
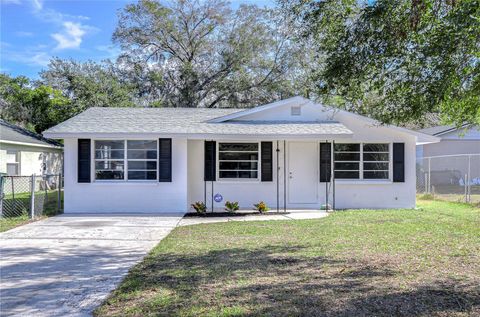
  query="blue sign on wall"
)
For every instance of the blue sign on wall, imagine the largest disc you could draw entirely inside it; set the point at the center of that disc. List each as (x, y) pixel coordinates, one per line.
(218, 198)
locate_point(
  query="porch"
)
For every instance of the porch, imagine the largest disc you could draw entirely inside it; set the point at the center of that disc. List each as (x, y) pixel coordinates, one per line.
(288, 175)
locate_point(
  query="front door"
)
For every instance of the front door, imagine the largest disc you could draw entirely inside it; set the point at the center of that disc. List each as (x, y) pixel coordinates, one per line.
(302, 173)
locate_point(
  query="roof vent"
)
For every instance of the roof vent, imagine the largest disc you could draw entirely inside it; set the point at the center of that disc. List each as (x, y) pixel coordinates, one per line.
(295, 111)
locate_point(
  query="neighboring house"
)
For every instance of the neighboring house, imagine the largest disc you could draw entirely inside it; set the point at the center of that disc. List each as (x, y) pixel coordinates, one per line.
(454, 141)
(455, 160)
(25, 153)
(164, 159)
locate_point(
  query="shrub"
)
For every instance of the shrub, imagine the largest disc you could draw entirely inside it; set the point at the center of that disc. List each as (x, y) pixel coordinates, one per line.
(199, 207)
(231, 206)
(261, 207)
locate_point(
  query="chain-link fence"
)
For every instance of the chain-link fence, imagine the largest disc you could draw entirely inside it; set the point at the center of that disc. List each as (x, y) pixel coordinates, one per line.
(450, 177)
(31, 196)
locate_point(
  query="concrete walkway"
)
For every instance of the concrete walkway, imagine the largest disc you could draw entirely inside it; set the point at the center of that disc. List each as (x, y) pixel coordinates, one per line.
(292, 215)
(67, 265)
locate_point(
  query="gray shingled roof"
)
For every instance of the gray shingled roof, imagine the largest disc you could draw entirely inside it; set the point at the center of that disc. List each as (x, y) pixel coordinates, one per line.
(13, 133)
(183, 121)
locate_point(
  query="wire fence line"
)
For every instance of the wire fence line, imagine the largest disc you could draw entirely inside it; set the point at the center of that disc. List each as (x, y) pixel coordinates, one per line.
(31, 196)
(450, 177)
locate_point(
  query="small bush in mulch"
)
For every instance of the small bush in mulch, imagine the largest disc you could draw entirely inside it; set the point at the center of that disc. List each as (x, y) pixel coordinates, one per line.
(233, 214)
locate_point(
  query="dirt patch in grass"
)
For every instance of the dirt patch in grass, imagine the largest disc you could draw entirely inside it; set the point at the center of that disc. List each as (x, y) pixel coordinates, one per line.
(355, 263)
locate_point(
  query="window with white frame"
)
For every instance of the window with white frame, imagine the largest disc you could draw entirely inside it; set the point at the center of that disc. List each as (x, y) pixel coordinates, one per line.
(142, 159)
(376, 160)
(125, 160)
(238, 160)
(12, 163)
(347, 161)
(362, 161)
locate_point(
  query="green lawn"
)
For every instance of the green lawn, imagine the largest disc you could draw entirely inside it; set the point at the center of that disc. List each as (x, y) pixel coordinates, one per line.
(12, 222)
(353, 263)
(18, 208)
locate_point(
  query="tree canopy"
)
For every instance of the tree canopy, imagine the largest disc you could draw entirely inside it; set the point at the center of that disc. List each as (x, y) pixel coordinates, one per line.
(36, 108)
(395, 60)
(205, 54)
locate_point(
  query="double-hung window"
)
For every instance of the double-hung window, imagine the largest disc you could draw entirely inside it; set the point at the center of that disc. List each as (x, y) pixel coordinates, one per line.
(126, 159)
(238, 160)
(12, 163)
(362, 160)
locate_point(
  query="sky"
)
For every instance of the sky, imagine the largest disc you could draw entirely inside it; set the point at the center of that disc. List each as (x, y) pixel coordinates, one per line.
(34, 31)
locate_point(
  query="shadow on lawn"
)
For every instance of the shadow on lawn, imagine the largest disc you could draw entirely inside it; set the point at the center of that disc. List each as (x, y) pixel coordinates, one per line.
(278, 281)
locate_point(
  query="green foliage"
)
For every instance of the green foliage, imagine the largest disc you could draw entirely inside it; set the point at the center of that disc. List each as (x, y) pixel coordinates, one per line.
(199, 207)
(36, 108)
(205, 54)
(88, 84)
(261, 207)
(396, 60)
(231, 206)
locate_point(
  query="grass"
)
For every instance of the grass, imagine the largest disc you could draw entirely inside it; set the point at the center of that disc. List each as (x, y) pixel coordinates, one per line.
(352, 263)
(12, 222)
(19, 208)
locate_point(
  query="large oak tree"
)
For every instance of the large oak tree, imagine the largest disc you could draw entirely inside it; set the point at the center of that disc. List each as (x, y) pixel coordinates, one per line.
(204, 53)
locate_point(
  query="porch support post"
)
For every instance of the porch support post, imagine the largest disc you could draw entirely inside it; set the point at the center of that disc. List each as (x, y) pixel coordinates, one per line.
(333, 174)
(326, 183)
(278, 171)
(284, 175)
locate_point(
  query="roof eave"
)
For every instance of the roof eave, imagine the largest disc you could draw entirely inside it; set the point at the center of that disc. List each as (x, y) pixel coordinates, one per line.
(202, 136)
(32, 144)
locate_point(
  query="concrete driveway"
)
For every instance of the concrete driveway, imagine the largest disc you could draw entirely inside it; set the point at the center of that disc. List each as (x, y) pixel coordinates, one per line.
(67, 265)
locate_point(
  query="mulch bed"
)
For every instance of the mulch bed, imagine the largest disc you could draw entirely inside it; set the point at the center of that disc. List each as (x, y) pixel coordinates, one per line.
(234, 214)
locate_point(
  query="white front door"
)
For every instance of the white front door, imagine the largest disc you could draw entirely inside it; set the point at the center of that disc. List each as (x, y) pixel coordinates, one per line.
(302, 173)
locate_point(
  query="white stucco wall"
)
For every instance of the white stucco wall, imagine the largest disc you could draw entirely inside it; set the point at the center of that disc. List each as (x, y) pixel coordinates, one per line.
(246, 192)
(126, 196)
(3, 160)
(349, 193)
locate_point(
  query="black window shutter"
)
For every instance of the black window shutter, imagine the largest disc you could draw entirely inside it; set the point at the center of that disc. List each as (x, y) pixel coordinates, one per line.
(267, 161)
(325, 162)
(399, 162)
(210, 161)
(165, 160)
(84, 161)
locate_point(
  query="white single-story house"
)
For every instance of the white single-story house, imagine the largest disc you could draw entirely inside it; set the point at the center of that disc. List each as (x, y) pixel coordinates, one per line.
(292, 154)
(23, 152)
